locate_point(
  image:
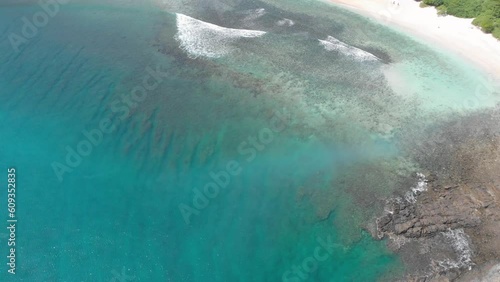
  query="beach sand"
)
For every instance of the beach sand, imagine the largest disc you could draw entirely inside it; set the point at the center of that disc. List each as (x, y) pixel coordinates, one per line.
(457, 35)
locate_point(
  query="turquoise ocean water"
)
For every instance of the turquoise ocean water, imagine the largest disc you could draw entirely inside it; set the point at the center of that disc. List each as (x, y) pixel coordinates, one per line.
(115, 215)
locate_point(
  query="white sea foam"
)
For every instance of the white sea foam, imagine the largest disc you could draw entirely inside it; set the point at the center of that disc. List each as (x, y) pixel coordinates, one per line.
(285, 22)
(333, 44)
(201, 39)
(398, 240)
(460, 244)
(411, 196)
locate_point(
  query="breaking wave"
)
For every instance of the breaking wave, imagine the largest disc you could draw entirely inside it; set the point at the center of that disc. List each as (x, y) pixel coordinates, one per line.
(411, 196)
(333, 44)
(201, 39)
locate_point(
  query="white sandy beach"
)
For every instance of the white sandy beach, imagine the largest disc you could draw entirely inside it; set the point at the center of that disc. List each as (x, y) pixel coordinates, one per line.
(455, 34)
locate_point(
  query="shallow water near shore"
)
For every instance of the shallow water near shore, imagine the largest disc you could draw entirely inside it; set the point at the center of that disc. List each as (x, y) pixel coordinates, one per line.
(322, 176)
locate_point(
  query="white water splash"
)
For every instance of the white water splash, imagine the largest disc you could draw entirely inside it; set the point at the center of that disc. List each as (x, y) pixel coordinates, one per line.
(398, 240)
(460, 244)
(411, 196)
(201, 39)
(333, 44)
(285, 22)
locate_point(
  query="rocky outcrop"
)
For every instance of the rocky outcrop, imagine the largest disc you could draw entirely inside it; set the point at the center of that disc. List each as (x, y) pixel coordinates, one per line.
(447, 228)
(440, 208)
(433, 214)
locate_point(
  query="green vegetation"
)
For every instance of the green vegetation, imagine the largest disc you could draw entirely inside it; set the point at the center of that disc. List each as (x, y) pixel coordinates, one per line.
(464, 8)
(485, 12)
(434, 2)
(496, 33)
(442, 10)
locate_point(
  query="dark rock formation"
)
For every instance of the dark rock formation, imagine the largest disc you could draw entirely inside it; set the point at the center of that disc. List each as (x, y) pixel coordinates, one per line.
(439, 209)
(449, 228)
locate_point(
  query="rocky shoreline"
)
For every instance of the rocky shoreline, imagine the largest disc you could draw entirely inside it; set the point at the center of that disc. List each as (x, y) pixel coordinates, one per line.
(447, 226)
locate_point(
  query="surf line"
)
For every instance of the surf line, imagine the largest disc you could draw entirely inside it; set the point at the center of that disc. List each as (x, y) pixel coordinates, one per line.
(201, 39)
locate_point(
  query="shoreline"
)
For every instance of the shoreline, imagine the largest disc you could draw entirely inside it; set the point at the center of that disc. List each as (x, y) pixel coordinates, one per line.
(452, 214)
(457, 35)
(451, 233)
